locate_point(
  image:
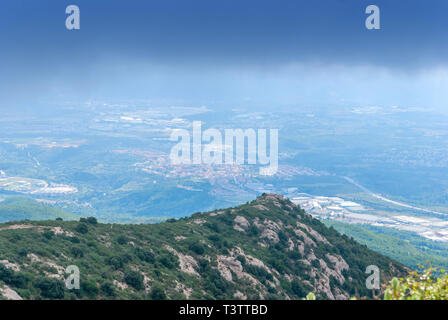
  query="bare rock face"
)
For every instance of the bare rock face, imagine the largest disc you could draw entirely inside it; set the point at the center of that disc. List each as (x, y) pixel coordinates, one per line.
(59, 230)
(269, 229)
(9, 293)
(313, 233)
(240, 296)
(187, 263)
(261, 207)
(59, 269)
(228, 265)
(216, 213)
(199, 221)
(338, 262)
(270, 235)
(274, 199)
(120, 285)
(241, 223)
(10, 265)
(308, 241)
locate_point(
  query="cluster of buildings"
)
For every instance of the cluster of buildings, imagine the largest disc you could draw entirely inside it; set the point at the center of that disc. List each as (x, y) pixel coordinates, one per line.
(338, 209)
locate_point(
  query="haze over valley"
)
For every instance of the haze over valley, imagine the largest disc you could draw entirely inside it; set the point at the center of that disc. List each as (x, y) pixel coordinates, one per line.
(112, 161)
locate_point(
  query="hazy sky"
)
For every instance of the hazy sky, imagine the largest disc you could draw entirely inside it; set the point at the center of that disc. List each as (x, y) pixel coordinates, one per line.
(282, 51)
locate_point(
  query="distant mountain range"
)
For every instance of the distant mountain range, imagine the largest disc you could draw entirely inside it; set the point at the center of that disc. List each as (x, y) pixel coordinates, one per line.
(266, 249)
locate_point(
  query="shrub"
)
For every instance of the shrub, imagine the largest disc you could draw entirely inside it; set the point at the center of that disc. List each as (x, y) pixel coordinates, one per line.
(51, 288)
(12, 278)
(168, 260)
(108, 289)
(89, 288)
(418, 286)
(213, 281)
(283, 237)
(213, 226)
(310, 296)
(226, 219)
(253, 231)
(278, 264)
(48, 234)
(126, 257)
(294, 255)
(197, 247)
(18, 280)
(299, 288)
(315, 264)
(157, 293)
(74, 239)
(134, 279)
(5, 273)
(242, 259)
(82, 228)
(23, 252)
(218, 241)
(145, 255)
(122, 240)
(259, 272)
(115, 262)
(77, 252)
(92, 220)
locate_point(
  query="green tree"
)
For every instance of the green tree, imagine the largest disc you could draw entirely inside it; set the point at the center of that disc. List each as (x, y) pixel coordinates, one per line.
(134, 279)
(157, 293)
(89, 288)
(197, 247)
(51, 288)
(82, 228)
(92, 220)
(108, 289)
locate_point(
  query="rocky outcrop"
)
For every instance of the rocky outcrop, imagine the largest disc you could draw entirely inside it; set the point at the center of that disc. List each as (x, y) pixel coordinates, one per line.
(241, 223)
(187, 263)
(9, 293)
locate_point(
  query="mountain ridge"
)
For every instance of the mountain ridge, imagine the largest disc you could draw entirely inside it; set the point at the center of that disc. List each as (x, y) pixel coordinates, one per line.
(268, 248)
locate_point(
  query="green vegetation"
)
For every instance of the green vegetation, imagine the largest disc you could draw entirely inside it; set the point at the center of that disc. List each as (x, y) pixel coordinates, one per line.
(266, 249)
(23, 208)
(403, 246)
(418, 286)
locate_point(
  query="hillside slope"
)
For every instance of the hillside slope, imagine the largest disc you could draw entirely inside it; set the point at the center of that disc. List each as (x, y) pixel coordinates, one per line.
(404, 246)
(20, 208)
(266, 249)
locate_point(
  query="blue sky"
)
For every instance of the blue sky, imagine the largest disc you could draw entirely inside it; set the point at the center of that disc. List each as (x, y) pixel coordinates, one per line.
(286, 52)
